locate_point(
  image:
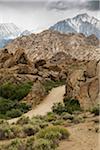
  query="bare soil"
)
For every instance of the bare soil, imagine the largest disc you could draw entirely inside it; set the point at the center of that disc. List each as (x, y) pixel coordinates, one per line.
(83, 136)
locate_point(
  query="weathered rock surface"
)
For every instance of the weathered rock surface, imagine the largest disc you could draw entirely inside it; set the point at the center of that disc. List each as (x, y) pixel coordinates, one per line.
(36, 95)
(83, 84)
(47, 43)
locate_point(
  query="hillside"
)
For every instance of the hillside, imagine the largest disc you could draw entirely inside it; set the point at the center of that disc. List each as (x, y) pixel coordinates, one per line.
(47, 43)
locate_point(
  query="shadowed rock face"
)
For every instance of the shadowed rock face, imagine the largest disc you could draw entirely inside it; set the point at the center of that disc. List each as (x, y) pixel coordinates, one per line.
(83, 84)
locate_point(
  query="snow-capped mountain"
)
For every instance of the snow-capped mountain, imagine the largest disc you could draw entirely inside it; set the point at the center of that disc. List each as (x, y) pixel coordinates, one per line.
(82, 23)
(9, 31)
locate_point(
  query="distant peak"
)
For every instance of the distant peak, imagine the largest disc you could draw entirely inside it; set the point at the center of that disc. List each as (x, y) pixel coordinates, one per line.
(81, 16)
(84, 14)
(81, 23)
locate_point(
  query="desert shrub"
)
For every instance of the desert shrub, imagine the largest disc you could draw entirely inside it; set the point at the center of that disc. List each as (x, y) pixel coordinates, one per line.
(96, 110)
(12, 109)
(15, 92)
(30, 142)
(53, 132)
(5, 133)
(72, 105)
(30, 130)
(16, 144)
(52, 84)
(17, 131)
(3, 122)
(66, 115)
(10, 94)
(13, 113)
(23, 120)
(43, 144)
(5, 105)
(78, 119)
(50, 117)
(58, 108)
(23, 107)
(69, 105)
(39, 121)
(58, 122)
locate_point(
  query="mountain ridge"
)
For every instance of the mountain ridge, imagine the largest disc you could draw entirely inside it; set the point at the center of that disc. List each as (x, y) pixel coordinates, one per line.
(81, 23)
(47, 43)
(9, 31)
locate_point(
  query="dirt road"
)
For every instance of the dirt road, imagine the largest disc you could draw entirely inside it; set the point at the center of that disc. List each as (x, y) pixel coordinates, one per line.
(55, 95)
(82, 137)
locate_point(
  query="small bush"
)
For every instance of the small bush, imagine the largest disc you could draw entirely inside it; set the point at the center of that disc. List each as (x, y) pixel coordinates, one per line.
(54, 132)
(30, 142)
(67, 116)
(23, 107)
(58, 122)
(5, 133)
(72, 105)
(6, 105)
(50, 117)
(52, 84)
(23, 120)
(39, 121)
(13, 113)
(96, 110)
(58, 108)
(16, 144)
(30, 130)
(17, 131)
(43, 144)
(78, 119)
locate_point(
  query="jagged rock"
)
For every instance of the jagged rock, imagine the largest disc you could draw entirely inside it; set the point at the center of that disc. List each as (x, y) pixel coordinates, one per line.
(4, 55)
(18, 58)
(39, 63)
(91, 69)
(83, 85)
(52, 67)
(88, 93)
(93, 40)
(36, 95)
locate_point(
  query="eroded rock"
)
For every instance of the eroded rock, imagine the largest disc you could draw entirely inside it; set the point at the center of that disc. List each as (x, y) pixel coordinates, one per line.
(83, 84)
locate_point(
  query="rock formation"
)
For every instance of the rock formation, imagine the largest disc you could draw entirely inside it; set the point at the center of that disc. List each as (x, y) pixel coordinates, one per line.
(83, 84)
(54, 56)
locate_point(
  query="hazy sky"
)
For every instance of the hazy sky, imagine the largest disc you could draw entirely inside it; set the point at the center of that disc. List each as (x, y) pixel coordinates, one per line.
(37, 15)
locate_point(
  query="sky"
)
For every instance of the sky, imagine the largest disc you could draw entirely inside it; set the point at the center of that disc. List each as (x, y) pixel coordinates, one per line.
(38, 15)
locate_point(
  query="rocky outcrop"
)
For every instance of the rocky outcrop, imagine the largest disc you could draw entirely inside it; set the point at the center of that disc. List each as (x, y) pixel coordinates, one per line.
(83, 84)
(19, 57)
(36, 95)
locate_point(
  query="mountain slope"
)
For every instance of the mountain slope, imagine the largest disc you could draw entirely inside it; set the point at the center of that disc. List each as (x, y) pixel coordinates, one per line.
(80, 24)
(9, 30)
(47, 43)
